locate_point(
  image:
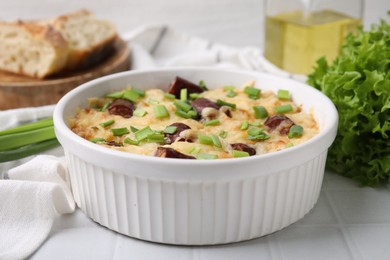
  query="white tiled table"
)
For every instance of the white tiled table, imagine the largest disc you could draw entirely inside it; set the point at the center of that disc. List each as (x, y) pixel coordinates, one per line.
(348, 222)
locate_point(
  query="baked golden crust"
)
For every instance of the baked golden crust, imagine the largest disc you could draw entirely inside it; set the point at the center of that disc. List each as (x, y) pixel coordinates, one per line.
(233, 129)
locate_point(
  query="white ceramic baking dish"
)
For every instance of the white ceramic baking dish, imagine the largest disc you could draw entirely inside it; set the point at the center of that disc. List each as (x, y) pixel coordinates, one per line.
(195, 202)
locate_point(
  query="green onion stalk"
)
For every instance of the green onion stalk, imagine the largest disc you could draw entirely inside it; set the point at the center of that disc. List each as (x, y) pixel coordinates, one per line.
(27, 139)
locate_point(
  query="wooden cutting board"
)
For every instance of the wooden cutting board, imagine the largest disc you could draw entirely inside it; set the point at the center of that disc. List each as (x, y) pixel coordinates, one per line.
(21, 91)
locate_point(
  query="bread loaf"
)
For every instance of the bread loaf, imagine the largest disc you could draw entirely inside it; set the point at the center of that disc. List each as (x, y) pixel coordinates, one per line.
(90, 39)
(45, 47)
(32, 49)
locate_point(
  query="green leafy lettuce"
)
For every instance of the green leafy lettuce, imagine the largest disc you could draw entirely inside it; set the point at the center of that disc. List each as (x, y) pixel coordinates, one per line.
(358, 82)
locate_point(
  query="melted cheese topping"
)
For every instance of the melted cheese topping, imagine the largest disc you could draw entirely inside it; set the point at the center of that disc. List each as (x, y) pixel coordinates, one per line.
(86, 124)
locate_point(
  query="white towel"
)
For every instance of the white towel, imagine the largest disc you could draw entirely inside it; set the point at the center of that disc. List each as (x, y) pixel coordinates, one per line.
(29, 201)
(38, 190)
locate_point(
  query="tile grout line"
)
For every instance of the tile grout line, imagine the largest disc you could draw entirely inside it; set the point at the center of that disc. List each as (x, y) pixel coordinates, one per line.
(336, 225)
(348, 238)
(115, 247)
(274, 248)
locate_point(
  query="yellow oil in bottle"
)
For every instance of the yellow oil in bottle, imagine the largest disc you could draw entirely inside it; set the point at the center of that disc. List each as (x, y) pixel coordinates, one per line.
(294, 41)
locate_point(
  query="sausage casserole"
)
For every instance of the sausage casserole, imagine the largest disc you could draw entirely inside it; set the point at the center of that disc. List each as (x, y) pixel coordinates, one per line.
(191, 122)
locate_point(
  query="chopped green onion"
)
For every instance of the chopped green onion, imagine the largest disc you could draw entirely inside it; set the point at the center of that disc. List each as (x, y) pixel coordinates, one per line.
(194, 150)
(216, 141)
(133, 129)
(194, 95)
(155, 138)
(160, 111)
(244, 125)
(262, 136)
(295, 131)
(228, 88)
(119, 131)
(255, 123)
(212, 122)
(231, 94)
(192, 113)
(238, 154)
(139, 112)
(130, 141)
(253, 93)
(224, 103)
(204, 139)
(202, 84)
(183, 94)
(131, 95)
(169, 96)
(117, 94)
(255, 131)
(210, 140)
(289, 145)
(153, 101)
(97, 140)
(260, 112)
(206, 156)
(143, 133)
(283, 94)
(283, 108)
(140, 92)
(182, 105)
(223, 134)
(107, 123)
(170, 129)
(182, 114)
(104, 107)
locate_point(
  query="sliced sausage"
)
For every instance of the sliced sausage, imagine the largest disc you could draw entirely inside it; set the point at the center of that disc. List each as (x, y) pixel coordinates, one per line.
(113, 143)
(244, 148)
(121, 107)
(280, 123)
(179, 83)
(167, 152)
(170, 138)
(200, 103)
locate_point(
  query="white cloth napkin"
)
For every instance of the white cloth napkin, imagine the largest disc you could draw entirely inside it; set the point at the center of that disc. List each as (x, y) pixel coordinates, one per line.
(29, 201)
(38, 191)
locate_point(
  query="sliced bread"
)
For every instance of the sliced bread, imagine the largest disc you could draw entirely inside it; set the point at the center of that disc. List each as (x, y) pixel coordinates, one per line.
(32, 49)
(90, 39)
(45, 47)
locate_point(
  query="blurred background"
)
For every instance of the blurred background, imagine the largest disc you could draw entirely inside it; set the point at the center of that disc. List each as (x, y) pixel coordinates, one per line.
(232, 22)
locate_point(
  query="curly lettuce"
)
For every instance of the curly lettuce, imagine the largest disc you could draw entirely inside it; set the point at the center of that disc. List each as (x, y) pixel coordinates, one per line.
(358, 82)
